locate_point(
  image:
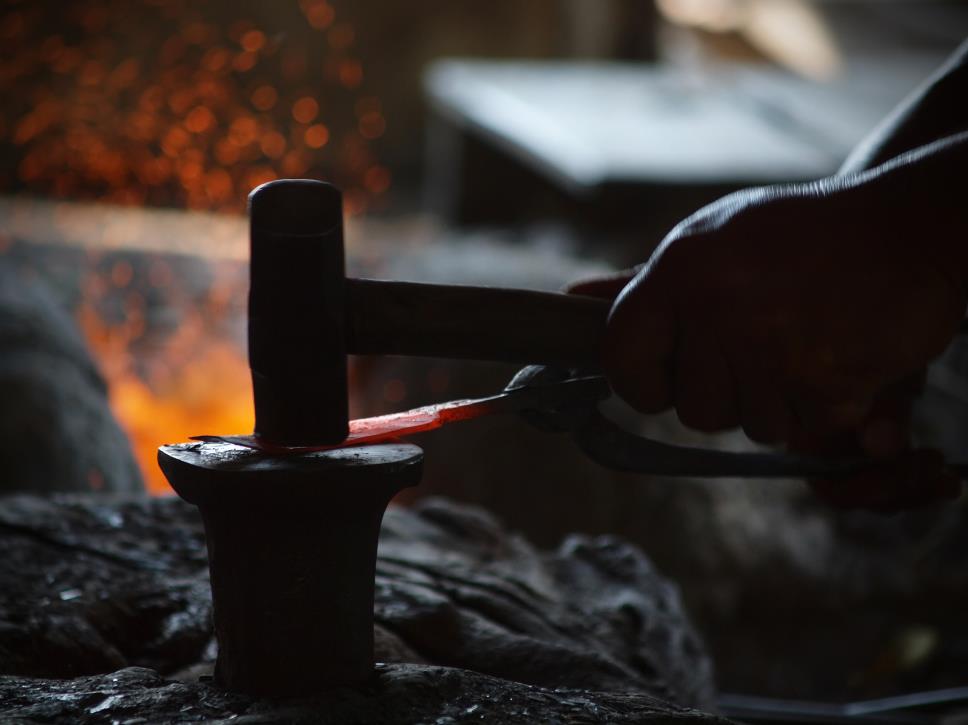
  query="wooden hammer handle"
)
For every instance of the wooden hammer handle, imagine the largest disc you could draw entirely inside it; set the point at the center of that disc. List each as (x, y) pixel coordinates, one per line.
(473, 323)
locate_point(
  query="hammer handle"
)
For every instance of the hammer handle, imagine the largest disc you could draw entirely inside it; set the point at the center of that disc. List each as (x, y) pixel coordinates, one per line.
(473, 323)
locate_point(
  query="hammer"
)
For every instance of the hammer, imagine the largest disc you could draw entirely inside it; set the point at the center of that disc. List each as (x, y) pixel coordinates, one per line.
(305, 316)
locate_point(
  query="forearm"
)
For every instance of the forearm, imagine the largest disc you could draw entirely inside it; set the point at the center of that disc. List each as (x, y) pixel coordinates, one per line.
(936, 110)
(922, 199)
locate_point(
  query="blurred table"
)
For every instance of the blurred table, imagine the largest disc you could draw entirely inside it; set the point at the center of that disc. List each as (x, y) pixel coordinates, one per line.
(615, 142)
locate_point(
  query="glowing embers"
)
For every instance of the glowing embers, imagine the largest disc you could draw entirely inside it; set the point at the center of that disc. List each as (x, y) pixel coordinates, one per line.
(166, 337)
(184, 105)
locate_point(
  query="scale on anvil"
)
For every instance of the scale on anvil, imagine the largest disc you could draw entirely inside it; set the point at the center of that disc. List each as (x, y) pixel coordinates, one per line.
(292, 513)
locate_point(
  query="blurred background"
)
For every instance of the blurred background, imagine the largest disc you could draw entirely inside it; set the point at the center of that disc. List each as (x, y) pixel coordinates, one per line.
(576, 129)
(511, 143)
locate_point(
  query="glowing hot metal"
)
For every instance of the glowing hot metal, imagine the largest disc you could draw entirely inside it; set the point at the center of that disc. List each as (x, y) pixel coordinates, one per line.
(544, 397)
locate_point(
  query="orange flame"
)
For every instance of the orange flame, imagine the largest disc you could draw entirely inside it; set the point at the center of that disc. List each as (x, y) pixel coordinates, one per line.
(183, 105)
(208, 394)
(164, 391)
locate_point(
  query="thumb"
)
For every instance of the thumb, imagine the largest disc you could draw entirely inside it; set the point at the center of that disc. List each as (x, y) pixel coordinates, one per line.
(639, 344)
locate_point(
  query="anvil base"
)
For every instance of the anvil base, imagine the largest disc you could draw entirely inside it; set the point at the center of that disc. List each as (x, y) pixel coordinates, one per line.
(292, 552)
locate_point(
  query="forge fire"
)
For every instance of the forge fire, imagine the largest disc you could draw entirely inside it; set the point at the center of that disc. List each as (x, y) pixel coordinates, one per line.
(168, 104)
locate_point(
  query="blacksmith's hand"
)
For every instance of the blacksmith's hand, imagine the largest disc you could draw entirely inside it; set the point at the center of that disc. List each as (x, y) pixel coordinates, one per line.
(798, 313)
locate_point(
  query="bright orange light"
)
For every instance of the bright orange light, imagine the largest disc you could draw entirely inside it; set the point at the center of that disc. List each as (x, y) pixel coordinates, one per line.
(227, 152)
(215, 59)
(243, 130)
(319, 14)
(184, 383)
(295, 163)
(174, 141)
(218, 185)
(190, 172)
(199, 120)
(202, 395)
(253, 41)
(273, 144)
(125, 73)
(260, 175)
(316, 136)
(305, 109)
(244, 61)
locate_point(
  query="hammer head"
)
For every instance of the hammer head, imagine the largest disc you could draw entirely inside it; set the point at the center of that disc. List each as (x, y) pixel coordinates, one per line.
(297, 349)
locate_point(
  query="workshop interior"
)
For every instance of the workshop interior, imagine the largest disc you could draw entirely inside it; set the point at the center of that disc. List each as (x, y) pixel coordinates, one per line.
(299, 421)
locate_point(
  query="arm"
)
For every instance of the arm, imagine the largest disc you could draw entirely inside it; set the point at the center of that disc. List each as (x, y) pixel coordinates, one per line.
(938, 108)
(923, 193)
(806, 312)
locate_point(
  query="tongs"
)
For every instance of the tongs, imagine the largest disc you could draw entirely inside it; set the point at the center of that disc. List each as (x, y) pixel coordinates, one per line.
(563, 401)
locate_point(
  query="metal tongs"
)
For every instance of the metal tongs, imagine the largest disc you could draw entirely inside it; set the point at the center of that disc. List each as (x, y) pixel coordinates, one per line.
(611, 446)
(568, 402)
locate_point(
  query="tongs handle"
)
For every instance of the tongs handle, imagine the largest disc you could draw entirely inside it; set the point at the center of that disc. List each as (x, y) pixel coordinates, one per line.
(610, 446)
(613, 447)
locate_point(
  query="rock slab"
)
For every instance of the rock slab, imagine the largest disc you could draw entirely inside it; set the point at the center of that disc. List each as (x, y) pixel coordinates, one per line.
(105, 617)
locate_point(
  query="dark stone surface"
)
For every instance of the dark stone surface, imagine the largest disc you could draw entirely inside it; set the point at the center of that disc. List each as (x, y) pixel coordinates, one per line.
(594, 614)
(89, 584)
(794, 599)
(397, 694)
(56, 430)
(488, 627)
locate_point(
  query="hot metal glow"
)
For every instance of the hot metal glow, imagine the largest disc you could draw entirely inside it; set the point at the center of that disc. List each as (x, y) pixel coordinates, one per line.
(554, 396)
(381, 428)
